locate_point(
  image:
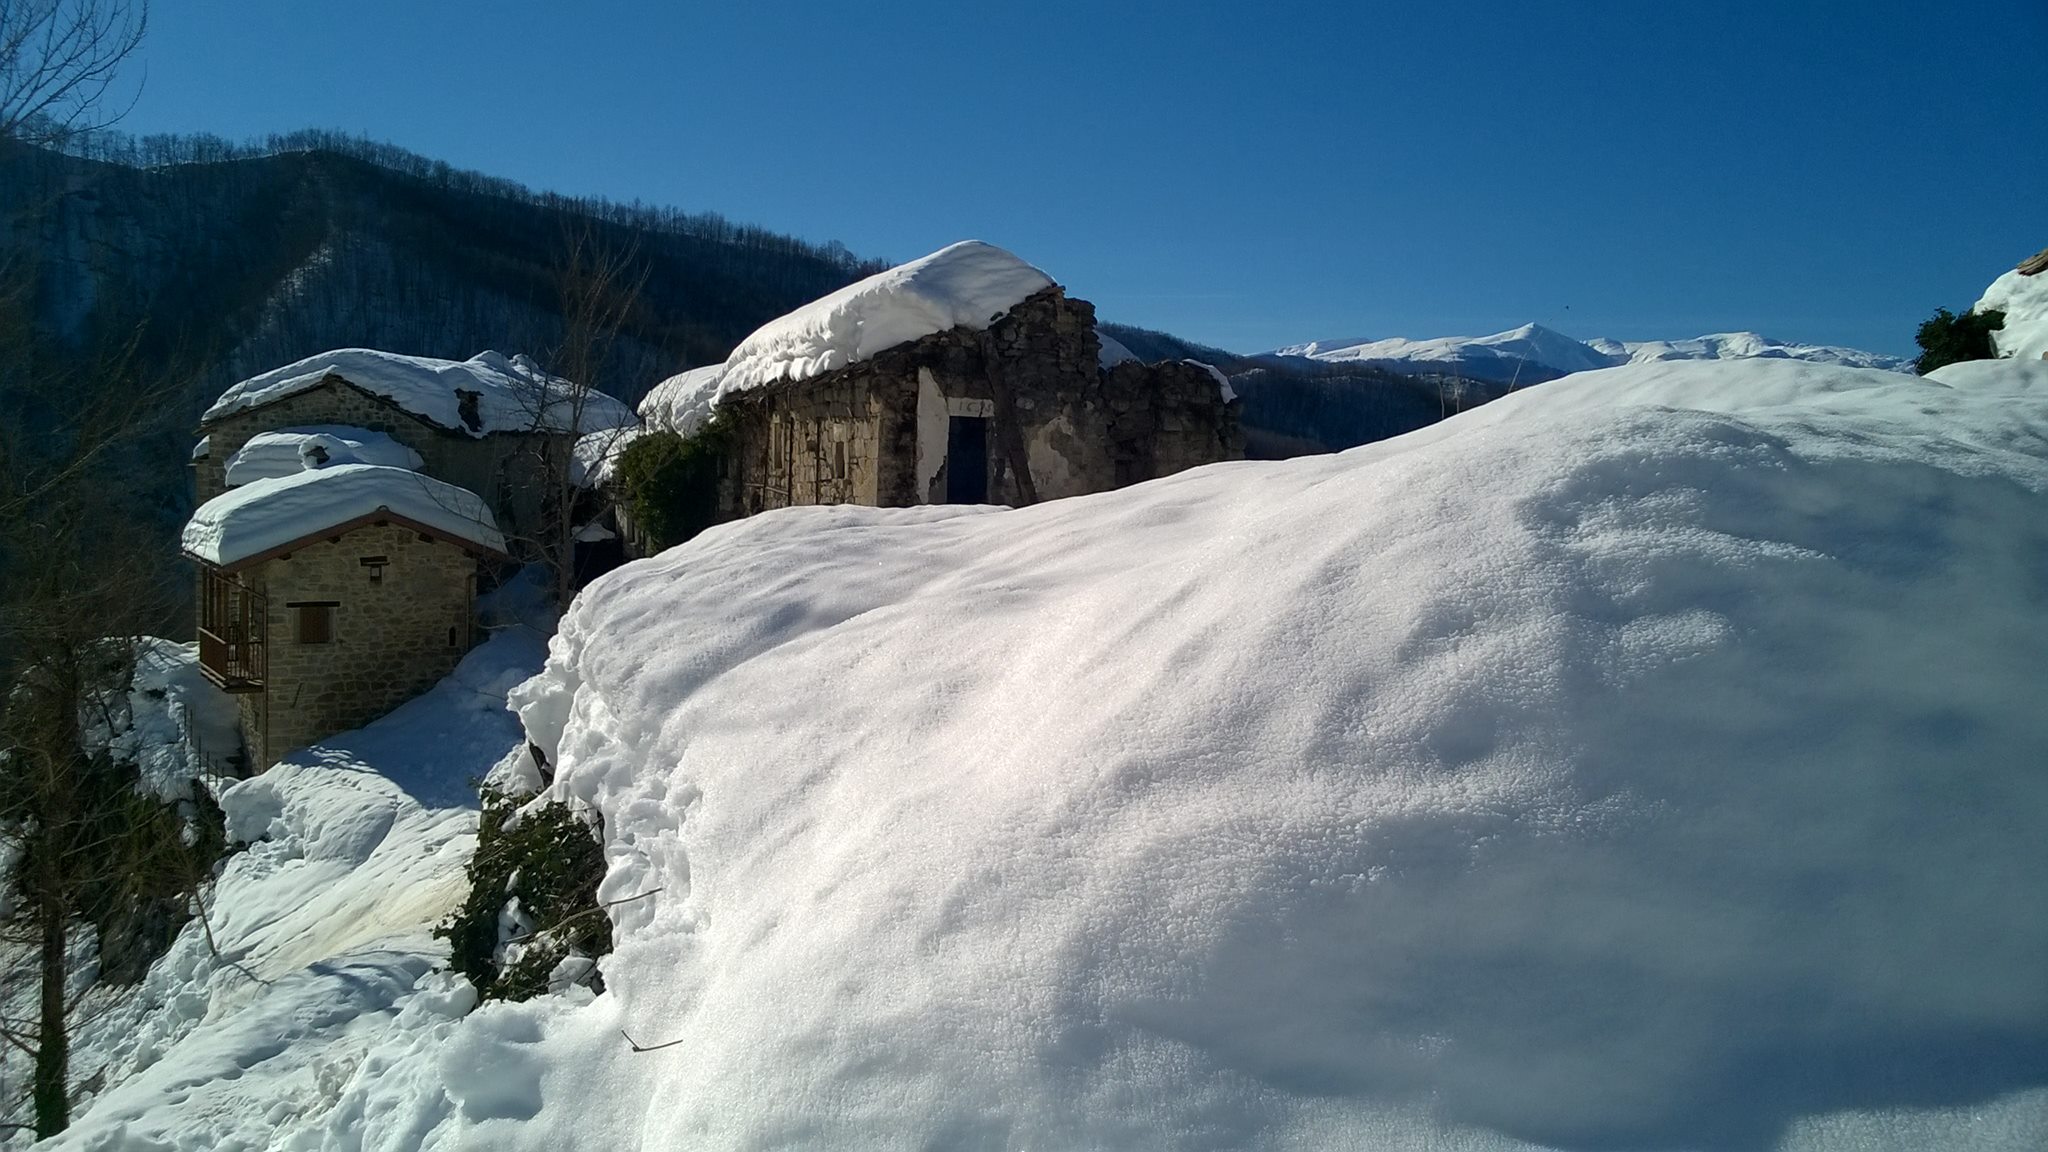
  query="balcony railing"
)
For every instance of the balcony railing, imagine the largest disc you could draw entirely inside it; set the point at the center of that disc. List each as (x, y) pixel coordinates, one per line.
(232, 652)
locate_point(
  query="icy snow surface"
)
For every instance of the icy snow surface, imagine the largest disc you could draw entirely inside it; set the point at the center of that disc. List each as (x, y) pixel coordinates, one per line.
(356, 850)
(1651, 759)
(961, 285)
(2024, 300)
(250, 520)
(288, 451)
(513, 394)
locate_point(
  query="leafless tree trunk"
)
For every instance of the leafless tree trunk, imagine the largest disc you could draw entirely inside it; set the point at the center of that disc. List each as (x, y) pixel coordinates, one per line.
(598, 287)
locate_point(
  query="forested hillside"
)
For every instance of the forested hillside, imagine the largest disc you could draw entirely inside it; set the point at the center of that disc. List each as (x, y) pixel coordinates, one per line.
(244, 257)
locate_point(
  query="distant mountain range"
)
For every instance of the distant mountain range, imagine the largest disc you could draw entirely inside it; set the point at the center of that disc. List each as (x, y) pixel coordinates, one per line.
(1532, 353)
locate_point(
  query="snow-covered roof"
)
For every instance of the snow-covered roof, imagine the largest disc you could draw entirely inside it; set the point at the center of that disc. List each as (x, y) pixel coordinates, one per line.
(513, 394)
(202, 448)
(288, 451)
(247, 522)
(683, 401)
(964, 285)
(2024, 300)
(593, 455)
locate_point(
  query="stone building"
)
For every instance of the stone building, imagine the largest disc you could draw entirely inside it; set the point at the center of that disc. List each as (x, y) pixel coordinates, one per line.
(330, 596)
(491, 424)
(965, 377)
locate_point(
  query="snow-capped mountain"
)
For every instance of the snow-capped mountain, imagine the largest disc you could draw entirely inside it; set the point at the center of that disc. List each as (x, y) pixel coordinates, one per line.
(1501, 357)
(1533, 353)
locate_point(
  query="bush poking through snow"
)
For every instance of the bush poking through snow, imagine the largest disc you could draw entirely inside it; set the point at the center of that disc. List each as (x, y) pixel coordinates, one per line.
(1946, 338)
(669, 483)
(532, 907)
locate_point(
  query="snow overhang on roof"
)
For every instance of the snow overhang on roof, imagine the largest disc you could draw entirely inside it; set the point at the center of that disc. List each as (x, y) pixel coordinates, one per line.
(289, 451)
(258, 520)
(487, 394)
(964, 285)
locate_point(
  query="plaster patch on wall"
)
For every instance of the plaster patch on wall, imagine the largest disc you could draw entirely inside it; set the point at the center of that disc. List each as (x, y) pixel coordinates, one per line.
(1051, 472)
(932, 411)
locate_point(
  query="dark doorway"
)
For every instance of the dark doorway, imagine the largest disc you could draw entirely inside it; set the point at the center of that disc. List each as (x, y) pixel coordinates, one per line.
(967, 460)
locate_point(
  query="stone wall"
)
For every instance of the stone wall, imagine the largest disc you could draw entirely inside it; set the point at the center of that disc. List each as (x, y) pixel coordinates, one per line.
(506, 469)
(1057, 424)
(397, 628)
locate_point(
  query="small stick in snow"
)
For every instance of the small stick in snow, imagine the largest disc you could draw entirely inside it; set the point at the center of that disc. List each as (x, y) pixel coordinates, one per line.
(638, 1047)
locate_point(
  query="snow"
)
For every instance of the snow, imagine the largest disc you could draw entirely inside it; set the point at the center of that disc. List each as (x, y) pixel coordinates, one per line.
(174, 716)
(684, 401)
(1739, 345)
(1222, 382)
(968, 284)
(2024, 300)
(288, 451)
(594, 454)
(1646, 760)
(356, 848)
(202, 447)
(1111, 351)
(1533, 352)
(1486, 357)
(266, 514)
(513, 394)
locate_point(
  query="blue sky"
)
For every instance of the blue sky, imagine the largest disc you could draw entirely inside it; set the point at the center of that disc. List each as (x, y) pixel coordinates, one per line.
(1245, 174)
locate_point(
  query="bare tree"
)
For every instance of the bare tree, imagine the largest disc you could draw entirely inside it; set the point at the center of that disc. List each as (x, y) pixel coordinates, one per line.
(59, 60)
(598, 287)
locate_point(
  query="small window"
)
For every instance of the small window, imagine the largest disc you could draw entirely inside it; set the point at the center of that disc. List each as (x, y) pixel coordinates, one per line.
(839, 460)
(313, 622)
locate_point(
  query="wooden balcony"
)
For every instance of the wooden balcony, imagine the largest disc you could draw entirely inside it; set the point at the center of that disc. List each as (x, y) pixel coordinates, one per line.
(232, 651)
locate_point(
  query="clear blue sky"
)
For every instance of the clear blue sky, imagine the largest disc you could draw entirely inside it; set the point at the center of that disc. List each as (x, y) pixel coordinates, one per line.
(1246, 174)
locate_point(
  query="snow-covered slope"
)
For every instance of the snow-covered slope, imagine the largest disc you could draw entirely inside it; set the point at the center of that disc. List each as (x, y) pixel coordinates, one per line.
(321, 955)
(1532, 352)
(2024, 300)
(1650, 759)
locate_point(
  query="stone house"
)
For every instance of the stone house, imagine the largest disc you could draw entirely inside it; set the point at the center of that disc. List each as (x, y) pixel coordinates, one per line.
(331, 596)
(967, 376)
(491, 424)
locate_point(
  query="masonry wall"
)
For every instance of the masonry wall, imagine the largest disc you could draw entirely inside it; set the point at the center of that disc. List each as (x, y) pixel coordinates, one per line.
(394, 634)
(505, 469)
(1057, 424)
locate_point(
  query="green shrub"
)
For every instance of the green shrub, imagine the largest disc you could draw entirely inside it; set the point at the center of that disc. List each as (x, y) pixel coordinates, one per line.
(551, 861)
(1946, 338)
(669, 484)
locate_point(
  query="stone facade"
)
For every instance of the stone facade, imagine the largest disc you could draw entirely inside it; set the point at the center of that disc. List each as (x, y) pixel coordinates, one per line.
(1023, 406)
(505, 468)
(398, 607)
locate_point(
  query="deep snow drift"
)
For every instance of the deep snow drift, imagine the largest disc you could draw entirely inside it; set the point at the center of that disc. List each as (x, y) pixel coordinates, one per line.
(1648, 759)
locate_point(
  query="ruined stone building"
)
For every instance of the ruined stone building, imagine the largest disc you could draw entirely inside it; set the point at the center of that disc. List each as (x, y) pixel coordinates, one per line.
(965, 377)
